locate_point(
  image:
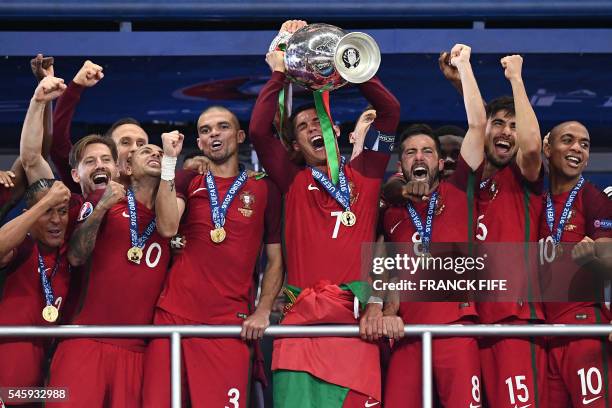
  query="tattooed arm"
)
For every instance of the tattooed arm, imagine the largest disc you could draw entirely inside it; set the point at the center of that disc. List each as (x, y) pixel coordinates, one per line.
(83, 238)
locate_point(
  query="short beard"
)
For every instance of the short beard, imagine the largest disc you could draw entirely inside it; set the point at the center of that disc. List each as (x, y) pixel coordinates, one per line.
(497, 163)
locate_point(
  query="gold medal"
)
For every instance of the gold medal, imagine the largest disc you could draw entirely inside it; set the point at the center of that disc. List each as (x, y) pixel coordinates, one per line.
(348, 218)
(134, 254)
(217, 235)
(50, 313)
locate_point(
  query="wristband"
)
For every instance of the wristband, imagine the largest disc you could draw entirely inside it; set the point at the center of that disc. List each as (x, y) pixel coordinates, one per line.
(168, 164)
(375, 299)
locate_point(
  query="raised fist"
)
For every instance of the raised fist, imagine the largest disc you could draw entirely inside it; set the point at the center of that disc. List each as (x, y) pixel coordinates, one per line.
(291, 26)
(114, 193)
(450, 72)
(512, 66)
(42, 67)
(89, 74)
(172, 143)
(58, 194)
(460, 55)
(276, 60)
(415, 189)
(48, 89)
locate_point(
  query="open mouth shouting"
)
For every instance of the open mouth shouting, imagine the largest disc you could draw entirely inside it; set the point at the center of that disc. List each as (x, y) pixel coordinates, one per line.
(317, 143)
(154, 162)
(502, 147)
(573, 161)
(420, 172)
(100, 178)
(216, 145)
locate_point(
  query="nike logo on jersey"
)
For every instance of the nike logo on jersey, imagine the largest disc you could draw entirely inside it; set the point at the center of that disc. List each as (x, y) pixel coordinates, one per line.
(126, 215)
(588, 401)
(368, 404)
(395, 226)
(198, 189)
(311, 187)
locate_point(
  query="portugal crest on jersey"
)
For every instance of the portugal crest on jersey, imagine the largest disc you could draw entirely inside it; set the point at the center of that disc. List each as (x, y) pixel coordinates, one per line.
(247, 199)
(86, 211)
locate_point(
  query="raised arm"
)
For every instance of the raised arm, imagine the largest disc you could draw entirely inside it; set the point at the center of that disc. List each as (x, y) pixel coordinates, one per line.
(270, 150)
(385, 104)
(254, 326)
(83, 239)
(168, 207)
(89, 75)
(30, 149)
(472, 148)
(528, 138)
(14, 232)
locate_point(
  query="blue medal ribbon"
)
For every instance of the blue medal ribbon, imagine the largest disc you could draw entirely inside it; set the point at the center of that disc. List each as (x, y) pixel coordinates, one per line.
(218, 212)
(46, 284)
(341, 193)
(136, 240)
(483, 184)
(424, 231)
(550, 211)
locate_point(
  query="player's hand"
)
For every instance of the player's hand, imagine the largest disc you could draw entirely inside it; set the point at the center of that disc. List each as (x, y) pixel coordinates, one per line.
(460, 55)
(6, 178)
(89, 74)
(362, 126)
(512, 66)
(450, 72)
(276, 60)
(254, 326)
(393, 327)
(415, 189)
(291, 26)
(199, 164)
(172, 143)
(48, 89)
(371, 323)
(584, 251)
(114, 193)
(42, 67)
(58, 194)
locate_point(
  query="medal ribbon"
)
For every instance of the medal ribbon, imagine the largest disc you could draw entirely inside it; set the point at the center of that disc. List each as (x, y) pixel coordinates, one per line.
(218, 212)
(483, 184)
(46, 284)
(341, 193)
(424, 232)
(550, 211)
(136, 240)
(321, 99)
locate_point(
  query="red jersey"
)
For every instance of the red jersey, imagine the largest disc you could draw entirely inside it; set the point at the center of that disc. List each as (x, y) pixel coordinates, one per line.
(588, 210)
(213, 283)
(510, 208)
(22, 297)
(317, 246)
(118, 291)
(450, 224)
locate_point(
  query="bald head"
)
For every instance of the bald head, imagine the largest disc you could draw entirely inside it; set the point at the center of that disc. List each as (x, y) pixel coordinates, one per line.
(219, 108)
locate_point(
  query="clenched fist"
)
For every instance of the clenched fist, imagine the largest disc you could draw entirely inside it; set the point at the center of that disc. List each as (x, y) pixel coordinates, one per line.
(512, 66)
(42, 67)
(450, 72)
(172, 143)
(276, 61)
(460, 55)
(114, 193)
(89, 74)
(48, 89)
(415, 189)
(58, 194)
(291, 26)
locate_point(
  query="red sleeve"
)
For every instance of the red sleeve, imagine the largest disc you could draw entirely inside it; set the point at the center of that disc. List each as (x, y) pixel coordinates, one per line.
(61, 146)
(598, 212)
(537, 186)
(270, 150)
(272, 219)
(461, 175)
(182, 180)
(5, 200)
(371, 163)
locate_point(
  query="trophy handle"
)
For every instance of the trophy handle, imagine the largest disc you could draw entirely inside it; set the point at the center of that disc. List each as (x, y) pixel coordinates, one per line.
(357, 57)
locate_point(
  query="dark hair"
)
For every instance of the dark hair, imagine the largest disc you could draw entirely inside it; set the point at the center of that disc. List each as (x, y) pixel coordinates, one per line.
(289, 125)
(418, 129)
(76, 153)
(503, 103)
(121, 122)
(39, 185)
(446, 130)
(221, 108)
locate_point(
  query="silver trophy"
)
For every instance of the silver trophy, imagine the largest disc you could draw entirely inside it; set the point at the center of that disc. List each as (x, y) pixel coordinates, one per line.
(325, 57)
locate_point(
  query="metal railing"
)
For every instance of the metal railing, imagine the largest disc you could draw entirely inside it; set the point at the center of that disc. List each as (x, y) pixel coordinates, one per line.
(426, 332)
